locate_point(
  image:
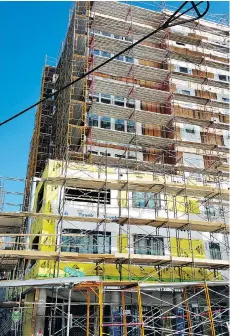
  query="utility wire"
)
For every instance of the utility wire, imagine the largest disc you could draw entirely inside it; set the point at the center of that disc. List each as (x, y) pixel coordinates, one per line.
(168, 23)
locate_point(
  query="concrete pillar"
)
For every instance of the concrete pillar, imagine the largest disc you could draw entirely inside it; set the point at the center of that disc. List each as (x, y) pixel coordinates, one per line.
(41, 312)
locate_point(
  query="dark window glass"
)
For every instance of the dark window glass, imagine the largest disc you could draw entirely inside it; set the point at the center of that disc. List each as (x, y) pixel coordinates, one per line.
(119, 101)
(105, 122)
(93, 119)
(182, 69)
(40, 199)
(96, 52)
(95, 97)
(130, 126)
(180, 43)
(120, 155)
(146, 200)
(129, 59)
(190, 130)
(105, 54)
(214, 249)
(105, 98)
(96, 242)
(105, 154)
(87, 195)
(120, 125)
(148, 245)
(120, 58)
(130, 103)
(106, 34)
(223, 78)
(185, 92)
(118, 37)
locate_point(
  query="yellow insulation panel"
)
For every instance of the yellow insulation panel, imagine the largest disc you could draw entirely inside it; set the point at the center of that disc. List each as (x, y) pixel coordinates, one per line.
(181, 248)
(45, 269)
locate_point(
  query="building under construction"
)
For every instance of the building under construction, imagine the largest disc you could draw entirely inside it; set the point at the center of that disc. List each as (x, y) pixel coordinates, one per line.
(124, 226)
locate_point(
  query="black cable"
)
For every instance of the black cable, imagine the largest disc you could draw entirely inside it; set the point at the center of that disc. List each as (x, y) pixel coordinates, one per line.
(168, 23)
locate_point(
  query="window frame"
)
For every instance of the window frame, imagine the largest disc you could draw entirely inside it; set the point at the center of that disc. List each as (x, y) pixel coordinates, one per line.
(148, 244)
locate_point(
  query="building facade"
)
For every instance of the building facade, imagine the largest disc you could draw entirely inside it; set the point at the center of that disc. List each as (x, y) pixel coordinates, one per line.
(136, 161)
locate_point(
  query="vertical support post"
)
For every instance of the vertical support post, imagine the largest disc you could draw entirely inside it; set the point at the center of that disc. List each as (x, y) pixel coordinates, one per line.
(124, 314)
(212, 326)
(139, 302)
(100, 299)
(68, 312)
(31, 206)
(88, 312)
(188, 316)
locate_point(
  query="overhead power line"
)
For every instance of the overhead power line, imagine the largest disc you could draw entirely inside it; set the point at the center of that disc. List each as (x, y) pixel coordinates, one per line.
(170, 22)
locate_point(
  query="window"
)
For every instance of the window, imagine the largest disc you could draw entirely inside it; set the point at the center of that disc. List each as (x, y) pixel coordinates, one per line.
(223, 78)
(120, 156)
(130, 103)
(35, 243)
(225, 99)
(214, 249)
(119, 101)
(105, 54)
(146, 200)
(93, 152)
(183, 69)
(40, 199)
(190, 130)
(105, 98)
(106, 34)
(93, 119)
(87, 195)
(96, 52)
(120, 125)
(130, 126)
(131, 156)
(105, 122)
(105, 154)
(185, 92)
(210, 211)
(148, 245)
(128, 38)
(95, 97)
(119, 58)
(128, 59)
(89, 242)
(180, 43)
(118, 37)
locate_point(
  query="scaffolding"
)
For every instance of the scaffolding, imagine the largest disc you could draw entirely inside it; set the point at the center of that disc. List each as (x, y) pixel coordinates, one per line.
(150, 223)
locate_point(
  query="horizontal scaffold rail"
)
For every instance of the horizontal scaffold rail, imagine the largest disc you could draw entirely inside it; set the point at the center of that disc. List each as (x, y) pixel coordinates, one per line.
(221, 170)
(157, 142)
(127, 113)
(142, 116)
(172, 223)
(108, 86)
(124, 258)
(145, 186)
(120, 26)
(140, 72)
(142, 15)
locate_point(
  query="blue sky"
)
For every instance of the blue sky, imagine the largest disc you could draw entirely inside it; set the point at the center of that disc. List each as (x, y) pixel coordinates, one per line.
(29, 31)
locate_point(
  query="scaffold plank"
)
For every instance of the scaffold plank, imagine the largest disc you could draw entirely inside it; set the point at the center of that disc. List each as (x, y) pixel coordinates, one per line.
(151, 186)
(140, 72)
(203, 226)
(126, 113)
(108, 86)
(124, 258)
(131, 138)
(157, 167)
